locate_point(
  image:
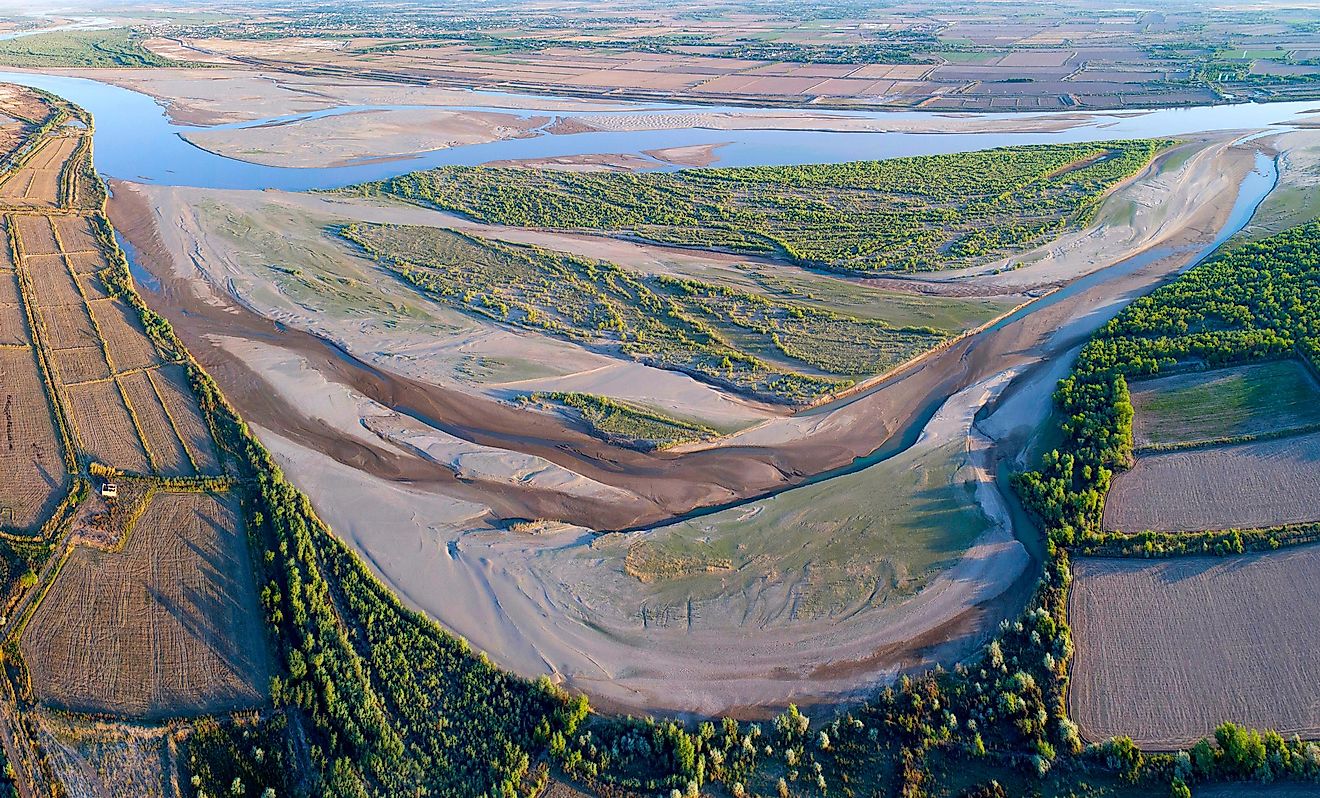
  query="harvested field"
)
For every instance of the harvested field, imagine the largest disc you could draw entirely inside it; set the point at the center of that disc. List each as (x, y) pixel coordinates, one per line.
(51, 281)
(35, 236)
(166, 449)
(93, 287)
(168, 626)
(1224, 403)
(75, 234)
(87, 262)
(13, 322)
(129, 346)
(31, 459)
(1168, 650)
(171, 383)
(68, 327)
(36, 185)
(105, 429)
(1241, 486)
(98, 758)
(80, 365)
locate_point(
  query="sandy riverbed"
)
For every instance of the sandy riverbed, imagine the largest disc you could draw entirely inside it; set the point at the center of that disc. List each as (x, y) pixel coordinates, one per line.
(526, 600)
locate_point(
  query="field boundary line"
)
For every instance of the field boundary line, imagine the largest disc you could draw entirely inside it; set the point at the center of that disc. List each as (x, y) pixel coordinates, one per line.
(98, 380)
(1310, 365)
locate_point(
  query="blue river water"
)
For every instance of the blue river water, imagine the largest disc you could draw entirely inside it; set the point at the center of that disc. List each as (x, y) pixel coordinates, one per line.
(136, 139)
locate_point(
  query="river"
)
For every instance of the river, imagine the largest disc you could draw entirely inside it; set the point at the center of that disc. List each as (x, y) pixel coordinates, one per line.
(136, 139)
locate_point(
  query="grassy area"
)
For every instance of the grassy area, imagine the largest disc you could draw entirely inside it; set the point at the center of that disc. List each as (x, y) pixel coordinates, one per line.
(779, 350)
(1225, 403)
(116, 47)
(626, 423)
(905, 214)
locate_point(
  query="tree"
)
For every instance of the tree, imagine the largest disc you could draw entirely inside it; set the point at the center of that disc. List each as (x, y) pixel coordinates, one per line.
(1243, 749)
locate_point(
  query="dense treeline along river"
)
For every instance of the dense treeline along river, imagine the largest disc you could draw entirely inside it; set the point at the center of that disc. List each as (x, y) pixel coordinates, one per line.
(136, 140)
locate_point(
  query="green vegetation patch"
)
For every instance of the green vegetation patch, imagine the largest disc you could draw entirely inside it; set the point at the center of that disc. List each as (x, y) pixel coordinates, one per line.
(782, 351)
(625, 423)
(1225, 404)
(78, 48)
(905, 214)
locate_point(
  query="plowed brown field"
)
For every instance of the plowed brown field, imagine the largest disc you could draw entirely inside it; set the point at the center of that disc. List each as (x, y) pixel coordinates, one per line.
(1168, 650)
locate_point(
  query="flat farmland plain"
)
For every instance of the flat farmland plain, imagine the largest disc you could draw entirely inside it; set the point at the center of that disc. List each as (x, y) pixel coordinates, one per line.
(81, 365)
(51, 282)
(76, 234)
(13, 324)
(1167, 650)
(129, 346)
(168, 626)
(36, 236)
(1241, 486)
(180, 402)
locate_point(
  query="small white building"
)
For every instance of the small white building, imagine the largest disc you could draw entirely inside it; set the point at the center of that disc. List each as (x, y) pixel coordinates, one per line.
(109, 490)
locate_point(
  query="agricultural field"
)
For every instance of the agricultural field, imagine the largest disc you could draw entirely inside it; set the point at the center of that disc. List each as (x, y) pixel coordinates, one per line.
(1261, 483)
(167, 626)
(32, 466)
(901, 215)
(98, 757)
(783, 351)
(970, 57)
(1224, 404)
(127, 345)
(37, 183)
(106, 429)
(1191, 642)
(168, 455)
(176, 396)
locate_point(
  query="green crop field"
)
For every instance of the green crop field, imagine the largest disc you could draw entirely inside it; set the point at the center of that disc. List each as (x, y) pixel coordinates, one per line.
(905, 214)
(779, 350)
(1225, 404)
(101, 48)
